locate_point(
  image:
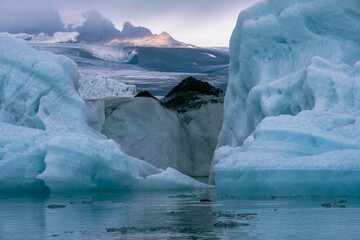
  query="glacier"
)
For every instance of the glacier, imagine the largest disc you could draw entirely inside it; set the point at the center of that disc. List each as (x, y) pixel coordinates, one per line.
(57, 37)
(92, 87)
(292, 106)
(46, 143)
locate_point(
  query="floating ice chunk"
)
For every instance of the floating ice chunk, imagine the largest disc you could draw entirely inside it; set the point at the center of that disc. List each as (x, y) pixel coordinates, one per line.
(171, 178)
(80, 163)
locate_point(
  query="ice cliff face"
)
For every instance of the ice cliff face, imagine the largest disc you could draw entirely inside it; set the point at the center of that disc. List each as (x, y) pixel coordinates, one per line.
(46, 142)
(291, 121)
(180, 131)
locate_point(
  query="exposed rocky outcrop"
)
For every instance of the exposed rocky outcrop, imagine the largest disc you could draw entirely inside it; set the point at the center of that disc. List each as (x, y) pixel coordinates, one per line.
(145, 94)
(129, 31)
(191, 94)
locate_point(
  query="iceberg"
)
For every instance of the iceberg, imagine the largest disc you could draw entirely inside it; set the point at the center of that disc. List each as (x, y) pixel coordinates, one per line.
(179, 131)
(291, 111)
(46, 143)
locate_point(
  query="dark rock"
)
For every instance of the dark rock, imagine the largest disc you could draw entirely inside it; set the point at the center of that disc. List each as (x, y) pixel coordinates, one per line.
(55, 206)
(129, 31)
(229, 224)
(192, 85)
(335, 204)
(191, 94)
(145, 94)
(123, 230)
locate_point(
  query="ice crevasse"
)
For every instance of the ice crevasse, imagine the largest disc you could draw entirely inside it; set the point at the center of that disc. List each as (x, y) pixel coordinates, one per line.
(45, 140)
(292, 106)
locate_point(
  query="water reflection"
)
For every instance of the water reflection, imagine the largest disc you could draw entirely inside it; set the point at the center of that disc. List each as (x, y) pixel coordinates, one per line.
(175, 215)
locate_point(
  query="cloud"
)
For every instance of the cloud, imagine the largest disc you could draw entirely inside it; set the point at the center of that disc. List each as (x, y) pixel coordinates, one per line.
(30, 21)
(95, 28)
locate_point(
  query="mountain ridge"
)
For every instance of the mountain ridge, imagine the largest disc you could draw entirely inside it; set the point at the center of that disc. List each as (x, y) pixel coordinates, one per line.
(163, 39)
(96, 29)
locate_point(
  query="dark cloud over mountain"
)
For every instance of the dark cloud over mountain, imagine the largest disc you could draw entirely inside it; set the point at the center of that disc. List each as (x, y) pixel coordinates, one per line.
(96, 28)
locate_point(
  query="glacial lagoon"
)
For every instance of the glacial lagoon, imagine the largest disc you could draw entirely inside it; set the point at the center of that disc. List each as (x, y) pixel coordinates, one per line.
(177, 215)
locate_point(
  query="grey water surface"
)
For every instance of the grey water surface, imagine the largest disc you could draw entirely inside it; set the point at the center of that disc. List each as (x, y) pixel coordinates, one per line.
(177, 215)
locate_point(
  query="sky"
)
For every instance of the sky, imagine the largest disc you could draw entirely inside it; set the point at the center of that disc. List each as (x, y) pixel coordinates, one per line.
(205, 23)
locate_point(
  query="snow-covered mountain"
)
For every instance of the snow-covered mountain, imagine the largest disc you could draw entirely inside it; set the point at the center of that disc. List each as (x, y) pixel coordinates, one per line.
(155, 40)
(97, 29)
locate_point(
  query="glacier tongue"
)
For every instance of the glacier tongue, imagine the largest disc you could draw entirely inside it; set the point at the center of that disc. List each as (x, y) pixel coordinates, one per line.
(97, 87)
(291, 117)
(46, 142)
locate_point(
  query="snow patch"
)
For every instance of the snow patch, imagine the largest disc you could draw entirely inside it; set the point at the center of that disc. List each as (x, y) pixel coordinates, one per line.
(111, 54)
(210, 55)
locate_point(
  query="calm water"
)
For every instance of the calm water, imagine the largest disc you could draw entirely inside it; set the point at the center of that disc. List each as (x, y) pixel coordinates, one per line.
(177, 215)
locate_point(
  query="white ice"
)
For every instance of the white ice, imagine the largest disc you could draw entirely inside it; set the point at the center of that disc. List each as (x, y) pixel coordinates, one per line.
(292, 106)
(58, 37)
(97, 87)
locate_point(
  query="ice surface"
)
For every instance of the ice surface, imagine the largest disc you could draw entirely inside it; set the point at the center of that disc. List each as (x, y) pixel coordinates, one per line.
(46, 142)
(112, 54)
(147, 130)
(58, 37)
(97, 87)
(291, 121)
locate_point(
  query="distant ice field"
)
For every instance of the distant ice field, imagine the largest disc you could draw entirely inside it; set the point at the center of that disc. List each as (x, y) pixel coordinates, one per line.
(156, 70)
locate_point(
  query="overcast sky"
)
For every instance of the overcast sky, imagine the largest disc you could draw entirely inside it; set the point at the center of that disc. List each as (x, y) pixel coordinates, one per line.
(200, 22)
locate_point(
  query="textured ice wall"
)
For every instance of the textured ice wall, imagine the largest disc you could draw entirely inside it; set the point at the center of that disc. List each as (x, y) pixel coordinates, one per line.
(291, 121)
(93, 87)
(164, 138)
(45, 140)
